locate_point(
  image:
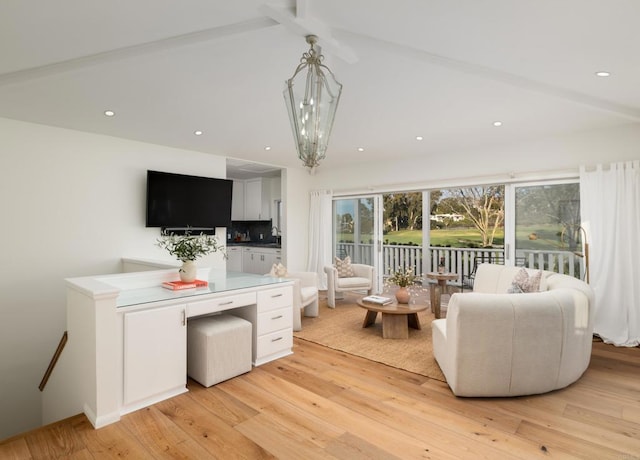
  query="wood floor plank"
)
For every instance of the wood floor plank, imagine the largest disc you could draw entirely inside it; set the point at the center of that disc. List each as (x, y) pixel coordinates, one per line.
(323, 403)
(280, 440)
(553, 441)
(619, 433)
(304, 379)
(226, 407)
(386, 437)
(59, 440)
(160, 436)
(219, 439)
(111, 441)
(15, 449)
(631, 413)
(300, 423)
(352, 447)
(444, 401)
(578, 427)
(386, 412)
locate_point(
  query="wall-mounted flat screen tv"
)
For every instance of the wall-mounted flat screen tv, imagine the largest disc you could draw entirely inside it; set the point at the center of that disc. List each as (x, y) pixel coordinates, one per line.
(180, 201)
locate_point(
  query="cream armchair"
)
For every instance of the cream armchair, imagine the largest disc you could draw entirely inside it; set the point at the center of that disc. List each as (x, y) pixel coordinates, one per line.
(305, 296)
(362, 281)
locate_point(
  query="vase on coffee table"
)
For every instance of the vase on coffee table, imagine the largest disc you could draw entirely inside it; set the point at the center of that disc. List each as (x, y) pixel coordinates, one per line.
(402, 295)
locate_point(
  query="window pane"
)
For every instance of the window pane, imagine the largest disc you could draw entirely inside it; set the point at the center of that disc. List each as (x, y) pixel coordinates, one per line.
(548, 227)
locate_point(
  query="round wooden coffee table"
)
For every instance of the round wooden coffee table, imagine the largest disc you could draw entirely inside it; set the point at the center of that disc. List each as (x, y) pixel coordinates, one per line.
(396, 318)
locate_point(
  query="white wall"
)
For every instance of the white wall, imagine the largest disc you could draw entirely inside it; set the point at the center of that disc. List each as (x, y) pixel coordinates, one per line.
(71, 204)
(295, 195)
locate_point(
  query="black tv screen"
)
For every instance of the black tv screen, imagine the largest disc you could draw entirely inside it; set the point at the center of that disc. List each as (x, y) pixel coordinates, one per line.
(179, 201)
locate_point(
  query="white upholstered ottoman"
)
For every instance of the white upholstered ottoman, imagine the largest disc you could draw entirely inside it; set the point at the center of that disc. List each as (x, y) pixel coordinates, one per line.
(218, 348)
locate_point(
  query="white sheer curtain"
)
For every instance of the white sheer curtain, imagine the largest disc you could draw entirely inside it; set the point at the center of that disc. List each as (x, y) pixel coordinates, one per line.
(610, 209)
(320, 234)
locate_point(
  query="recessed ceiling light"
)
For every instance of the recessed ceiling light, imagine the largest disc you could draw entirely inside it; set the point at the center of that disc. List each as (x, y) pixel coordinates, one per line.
(360, 149)
(267, 148)
(419, 138)
(109, 113)
(603, 73)
(497, 123)
(198, 132)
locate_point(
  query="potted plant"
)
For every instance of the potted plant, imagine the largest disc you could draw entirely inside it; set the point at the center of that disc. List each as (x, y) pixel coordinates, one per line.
(188, 248)
(404, 278)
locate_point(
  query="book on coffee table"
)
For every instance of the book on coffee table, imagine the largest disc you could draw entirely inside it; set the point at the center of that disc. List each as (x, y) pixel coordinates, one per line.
(377, 299)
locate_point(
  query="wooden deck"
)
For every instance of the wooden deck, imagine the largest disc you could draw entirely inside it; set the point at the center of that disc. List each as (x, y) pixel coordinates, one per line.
(320, 403)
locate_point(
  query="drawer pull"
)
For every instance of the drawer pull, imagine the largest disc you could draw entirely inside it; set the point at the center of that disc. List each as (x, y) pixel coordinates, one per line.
(276, 295)
(226, 303)
(276, 339)
(277, 317)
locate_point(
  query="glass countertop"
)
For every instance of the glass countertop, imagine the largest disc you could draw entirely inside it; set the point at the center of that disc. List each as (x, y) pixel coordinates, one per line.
(219, 281)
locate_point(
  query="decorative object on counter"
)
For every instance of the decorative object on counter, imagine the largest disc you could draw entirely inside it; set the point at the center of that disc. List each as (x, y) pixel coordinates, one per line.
(406, 281)
(312, 101)
(188, 248)
(278, 270)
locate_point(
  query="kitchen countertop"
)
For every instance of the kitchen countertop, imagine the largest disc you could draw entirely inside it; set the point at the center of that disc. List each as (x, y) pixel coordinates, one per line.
(255, 244)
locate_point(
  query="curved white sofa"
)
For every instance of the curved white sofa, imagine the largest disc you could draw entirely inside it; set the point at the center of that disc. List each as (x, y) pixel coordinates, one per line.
(493, 343)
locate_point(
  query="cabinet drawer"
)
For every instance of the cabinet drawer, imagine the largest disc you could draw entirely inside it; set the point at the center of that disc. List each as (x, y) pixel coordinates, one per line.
(220, 304)
(274, 320)
(273, 299)
(274, 342)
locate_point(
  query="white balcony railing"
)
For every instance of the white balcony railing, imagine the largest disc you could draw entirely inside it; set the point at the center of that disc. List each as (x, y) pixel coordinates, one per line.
(460, 260)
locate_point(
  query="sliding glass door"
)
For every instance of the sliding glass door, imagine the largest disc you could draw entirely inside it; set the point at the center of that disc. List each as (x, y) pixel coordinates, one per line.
(544, 227)
(358, 231)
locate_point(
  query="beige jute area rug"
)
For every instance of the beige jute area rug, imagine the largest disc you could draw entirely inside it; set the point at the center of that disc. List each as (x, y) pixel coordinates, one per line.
(341, 329)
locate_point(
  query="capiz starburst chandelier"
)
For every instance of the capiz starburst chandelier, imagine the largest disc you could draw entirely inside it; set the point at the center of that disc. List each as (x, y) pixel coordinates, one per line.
(312, 99)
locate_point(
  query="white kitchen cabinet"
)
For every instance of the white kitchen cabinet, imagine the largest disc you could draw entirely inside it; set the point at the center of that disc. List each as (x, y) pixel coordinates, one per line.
(257, 199)
(237, 200)
(271, 256)
(234, 258)
(155, 352)
(260, 260)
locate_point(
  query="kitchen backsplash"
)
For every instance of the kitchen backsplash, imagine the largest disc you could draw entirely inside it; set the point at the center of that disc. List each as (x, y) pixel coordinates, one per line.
(256, 231)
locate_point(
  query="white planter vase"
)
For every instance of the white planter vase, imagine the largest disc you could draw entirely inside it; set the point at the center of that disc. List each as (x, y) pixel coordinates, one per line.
(188, 271)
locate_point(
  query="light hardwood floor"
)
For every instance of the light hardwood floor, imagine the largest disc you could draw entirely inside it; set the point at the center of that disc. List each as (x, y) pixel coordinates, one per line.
(321, 403)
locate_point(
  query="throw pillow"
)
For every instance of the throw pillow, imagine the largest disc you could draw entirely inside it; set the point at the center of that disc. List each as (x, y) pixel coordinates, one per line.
(524, 281)
(278, 270)
(344, 268)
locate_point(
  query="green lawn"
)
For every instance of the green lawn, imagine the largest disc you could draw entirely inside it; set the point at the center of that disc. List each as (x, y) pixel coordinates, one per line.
(456, 237)
(540, 237)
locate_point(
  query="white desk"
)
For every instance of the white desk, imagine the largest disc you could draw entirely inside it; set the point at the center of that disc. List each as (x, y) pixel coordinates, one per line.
(127, 337)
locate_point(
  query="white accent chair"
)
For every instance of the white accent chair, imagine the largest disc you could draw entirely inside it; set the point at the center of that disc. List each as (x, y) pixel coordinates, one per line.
(493, 343)
(336, 286)
(305, 296)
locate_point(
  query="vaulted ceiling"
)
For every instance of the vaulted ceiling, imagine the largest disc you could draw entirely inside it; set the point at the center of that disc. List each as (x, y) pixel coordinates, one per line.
(443, 70)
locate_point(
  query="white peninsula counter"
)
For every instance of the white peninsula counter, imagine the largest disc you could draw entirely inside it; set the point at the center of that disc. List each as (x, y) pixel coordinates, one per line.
(127, 337)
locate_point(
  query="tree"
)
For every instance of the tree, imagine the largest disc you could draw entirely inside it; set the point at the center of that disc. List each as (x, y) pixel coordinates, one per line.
(403, 210)
(483, 206)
